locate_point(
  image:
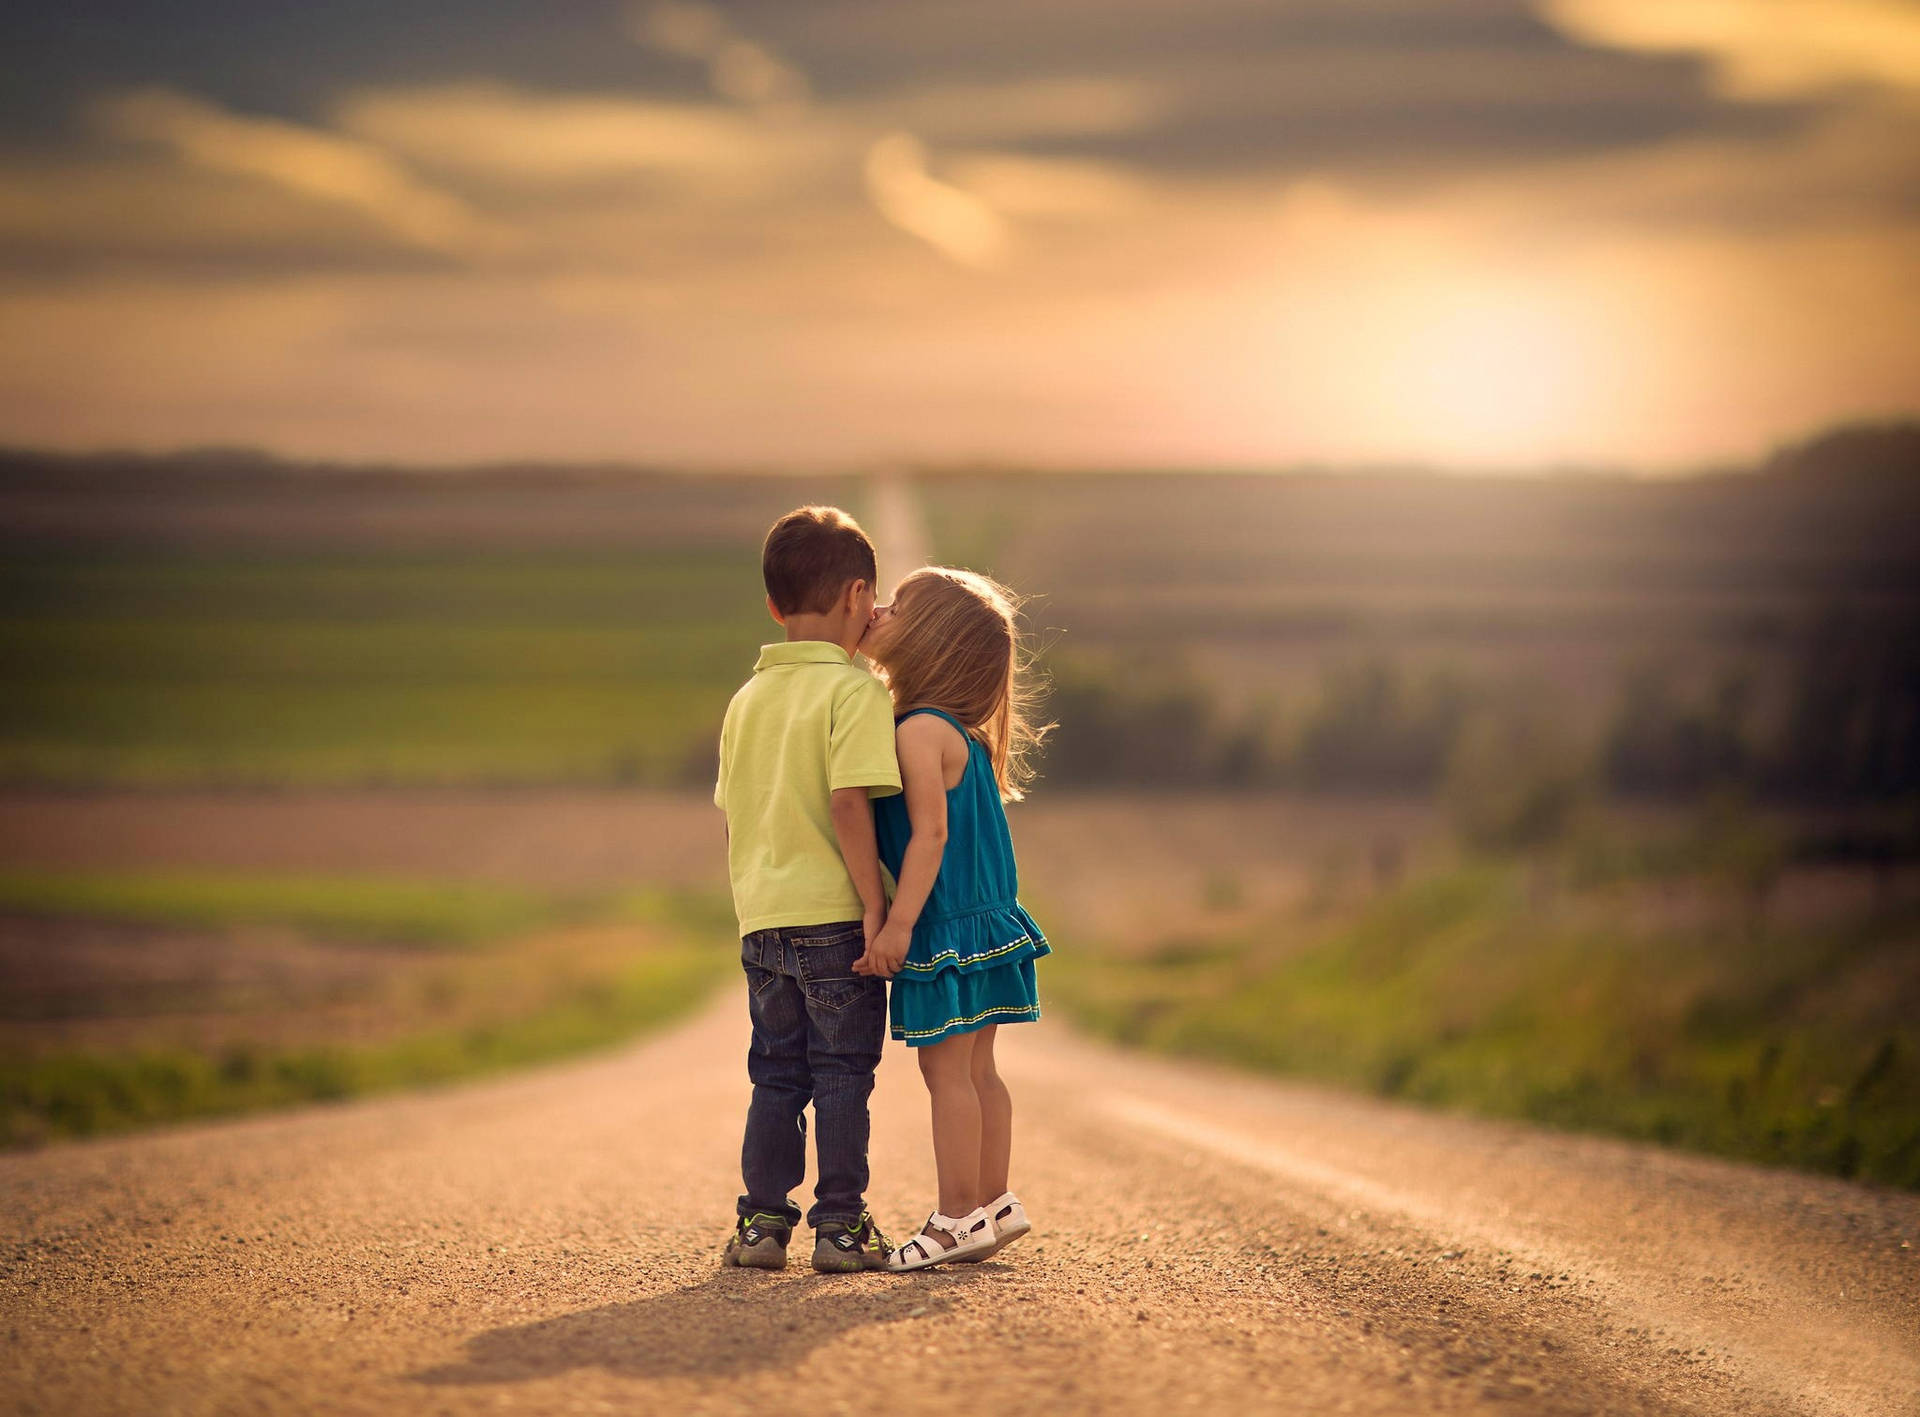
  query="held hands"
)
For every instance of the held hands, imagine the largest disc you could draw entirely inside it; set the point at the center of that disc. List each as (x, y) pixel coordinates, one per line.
(870, 926)
(886, 950)
(889, 948)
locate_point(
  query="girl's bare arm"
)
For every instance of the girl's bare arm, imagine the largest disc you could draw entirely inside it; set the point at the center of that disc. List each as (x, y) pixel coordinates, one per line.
(922, 742)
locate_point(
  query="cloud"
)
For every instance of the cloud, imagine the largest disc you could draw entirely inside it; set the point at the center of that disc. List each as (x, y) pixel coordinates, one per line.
(75, 216)
(1241, 85)
(1762, 49)
(1040, 107)
(1847, 170)
(496, 131)
(315, 164)
(1048, 188)
(954, 222)
(740, 69)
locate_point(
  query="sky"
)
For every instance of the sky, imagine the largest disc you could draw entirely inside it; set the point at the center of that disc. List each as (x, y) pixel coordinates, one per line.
(1477, 234)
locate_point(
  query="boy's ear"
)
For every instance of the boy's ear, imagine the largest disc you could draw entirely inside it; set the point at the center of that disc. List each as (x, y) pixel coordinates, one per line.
(774, 611)
(852, 598)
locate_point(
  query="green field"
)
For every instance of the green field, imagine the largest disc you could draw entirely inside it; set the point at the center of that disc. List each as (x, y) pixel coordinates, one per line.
(178, 622)
(427, 914)
(344, 667)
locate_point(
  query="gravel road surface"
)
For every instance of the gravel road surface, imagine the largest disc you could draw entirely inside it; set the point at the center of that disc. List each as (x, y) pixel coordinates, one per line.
(1204, 1242)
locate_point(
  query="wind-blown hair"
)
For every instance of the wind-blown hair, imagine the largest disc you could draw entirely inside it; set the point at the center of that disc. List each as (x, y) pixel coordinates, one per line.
(958, 647)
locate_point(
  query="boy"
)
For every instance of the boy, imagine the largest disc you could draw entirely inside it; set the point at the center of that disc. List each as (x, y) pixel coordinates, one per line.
(806, 742)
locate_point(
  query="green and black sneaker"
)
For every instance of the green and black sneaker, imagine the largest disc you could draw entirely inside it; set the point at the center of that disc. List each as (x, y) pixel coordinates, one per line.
(759, 1241)
(839, 1248)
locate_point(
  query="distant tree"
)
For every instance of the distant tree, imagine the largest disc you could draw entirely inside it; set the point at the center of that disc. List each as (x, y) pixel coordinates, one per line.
(1375, 729)
(1852, 730)
(1515, 777)
(1658, 746)
(1126, 727)
(1855, 452)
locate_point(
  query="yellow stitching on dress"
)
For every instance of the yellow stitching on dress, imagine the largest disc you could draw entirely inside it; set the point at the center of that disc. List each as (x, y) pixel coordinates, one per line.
(953, 1023)
(928, 967)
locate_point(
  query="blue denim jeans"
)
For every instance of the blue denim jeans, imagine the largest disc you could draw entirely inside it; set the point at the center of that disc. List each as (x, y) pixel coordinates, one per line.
(817, 1033)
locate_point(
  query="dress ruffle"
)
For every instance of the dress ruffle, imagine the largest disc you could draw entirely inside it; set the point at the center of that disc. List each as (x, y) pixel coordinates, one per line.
(967, 971)
(956, 1001)
(973, 940)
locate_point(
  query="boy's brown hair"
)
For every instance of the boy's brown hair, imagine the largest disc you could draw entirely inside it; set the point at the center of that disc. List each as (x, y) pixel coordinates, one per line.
(811, 556)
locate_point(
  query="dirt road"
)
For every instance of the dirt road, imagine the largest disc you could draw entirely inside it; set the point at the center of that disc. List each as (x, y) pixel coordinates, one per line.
(1204, 1242)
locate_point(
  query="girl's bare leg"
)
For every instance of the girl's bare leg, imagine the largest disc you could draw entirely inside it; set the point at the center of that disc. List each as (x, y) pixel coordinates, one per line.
(947, 1068)
(996, 1118)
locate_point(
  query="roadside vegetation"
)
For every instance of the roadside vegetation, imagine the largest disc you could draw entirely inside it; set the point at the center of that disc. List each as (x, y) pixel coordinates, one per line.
(1696, 991)
(342, 988)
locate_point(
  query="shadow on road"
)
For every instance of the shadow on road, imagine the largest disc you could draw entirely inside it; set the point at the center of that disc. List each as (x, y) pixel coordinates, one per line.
(735, 1322)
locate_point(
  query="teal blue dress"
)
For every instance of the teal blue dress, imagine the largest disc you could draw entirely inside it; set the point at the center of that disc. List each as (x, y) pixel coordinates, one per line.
(970, 964)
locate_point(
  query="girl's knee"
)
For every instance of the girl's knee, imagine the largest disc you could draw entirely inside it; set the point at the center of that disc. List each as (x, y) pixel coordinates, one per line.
(950, 1058)
(981, 1063)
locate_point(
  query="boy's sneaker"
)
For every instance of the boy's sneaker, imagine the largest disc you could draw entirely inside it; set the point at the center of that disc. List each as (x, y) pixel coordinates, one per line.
(759, 1242)
(839, 1248)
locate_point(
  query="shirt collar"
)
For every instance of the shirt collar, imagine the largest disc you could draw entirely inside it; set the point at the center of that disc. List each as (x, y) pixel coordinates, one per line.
(801, 652)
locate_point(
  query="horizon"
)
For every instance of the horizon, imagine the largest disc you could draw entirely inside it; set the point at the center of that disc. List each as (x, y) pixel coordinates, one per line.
(216, 455)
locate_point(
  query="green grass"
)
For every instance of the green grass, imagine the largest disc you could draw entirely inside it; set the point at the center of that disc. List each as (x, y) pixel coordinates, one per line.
(384, 909)
(76, 1094)
(404, 912)
(350, 668)
(543, 989)
(1496, 988)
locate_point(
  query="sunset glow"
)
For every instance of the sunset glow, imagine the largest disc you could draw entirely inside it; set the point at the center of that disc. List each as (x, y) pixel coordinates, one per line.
(1571, 231)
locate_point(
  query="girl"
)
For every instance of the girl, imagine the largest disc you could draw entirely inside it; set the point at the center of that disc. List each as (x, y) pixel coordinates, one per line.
(956, 943)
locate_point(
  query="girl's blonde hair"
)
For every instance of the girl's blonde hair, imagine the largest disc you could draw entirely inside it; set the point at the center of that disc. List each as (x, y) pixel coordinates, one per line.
(958, 647)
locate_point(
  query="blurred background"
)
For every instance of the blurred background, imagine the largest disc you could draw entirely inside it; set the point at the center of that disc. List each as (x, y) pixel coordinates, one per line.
(1463, 454)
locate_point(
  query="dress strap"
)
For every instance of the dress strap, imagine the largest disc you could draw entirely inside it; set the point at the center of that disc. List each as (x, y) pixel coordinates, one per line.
(941, 713)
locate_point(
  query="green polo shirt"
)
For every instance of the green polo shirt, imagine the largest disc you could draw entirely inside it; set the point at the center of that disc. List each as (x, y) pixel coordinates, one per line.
(808, 723)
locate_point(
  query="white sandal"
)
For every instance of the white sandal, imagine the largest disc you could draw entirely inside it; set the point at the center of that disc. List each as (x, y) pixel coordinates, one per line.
(972, 1235)
(1009, 1224)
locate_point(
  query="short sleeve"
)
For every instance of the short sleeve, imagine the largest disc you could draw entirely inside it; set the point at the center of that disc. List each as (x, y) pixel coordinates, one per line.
(860, 752)
(720, 782)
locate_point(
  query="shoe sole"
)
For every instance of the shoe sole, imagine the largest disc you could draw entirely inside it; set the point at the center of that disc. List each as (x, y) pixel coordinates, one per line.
(768, 1254)
(837, 1263)
(1007, 1237)
(945, 1257)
